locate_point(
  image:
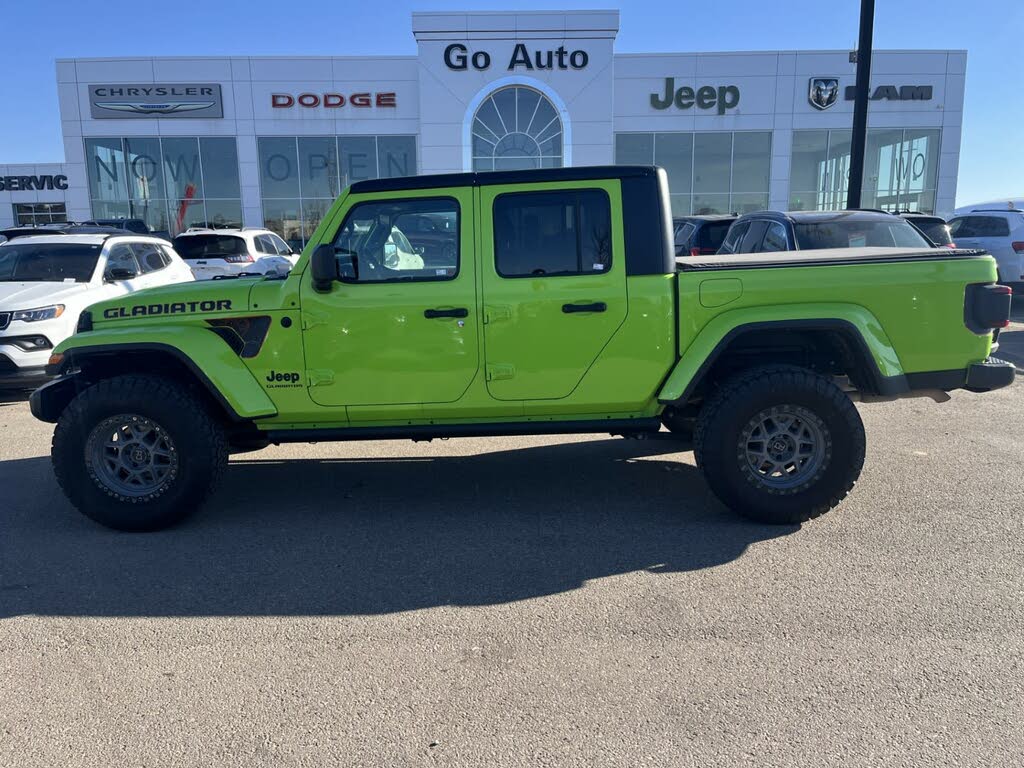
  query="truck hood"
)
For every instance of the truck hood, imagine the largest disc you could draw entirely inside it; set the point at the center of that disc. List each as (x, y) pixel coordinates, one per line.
(30, 295)
(213, 297)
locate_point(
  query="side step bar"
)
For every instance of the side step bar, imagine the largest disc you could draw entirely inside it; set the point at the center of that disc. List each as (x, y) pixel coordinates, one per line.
(628, 427)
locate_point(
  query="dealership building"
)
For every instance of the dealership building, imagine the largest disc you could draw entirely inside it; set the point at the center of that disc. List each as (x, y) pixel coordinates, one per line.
(270, 141)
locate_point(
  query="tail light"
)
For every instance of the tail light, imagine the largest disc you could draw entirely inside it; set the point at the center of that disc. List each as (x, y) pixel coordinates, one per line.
(987, 306)
(701, 251)
(239, 258)
(951, 245)
(1018, 246)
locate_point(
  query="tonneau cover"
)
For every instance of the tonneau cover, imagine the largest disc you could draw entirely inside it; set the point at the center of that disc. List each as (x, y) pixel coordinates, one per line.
(824, 257)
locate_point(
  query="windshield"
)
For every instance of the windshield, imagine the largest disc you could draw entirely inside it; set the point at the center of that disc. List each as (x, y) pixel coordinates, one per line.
(209, 246)
(858, 233)
(48, 262)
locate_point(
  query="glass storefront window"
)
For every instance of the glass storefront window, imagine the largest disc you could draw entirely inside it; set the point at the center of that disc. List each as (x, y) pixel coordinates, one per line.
(27, 214)
(300, 177)
(219, 156)
(712, 161)
(516, 128)
(708, 173)
(171, 183)
(900, 169)
(634, 148)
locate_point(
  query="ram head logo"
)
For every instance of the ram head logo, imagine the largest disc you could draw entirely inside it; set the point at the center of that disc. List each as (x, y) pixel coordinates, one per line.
(823, 92)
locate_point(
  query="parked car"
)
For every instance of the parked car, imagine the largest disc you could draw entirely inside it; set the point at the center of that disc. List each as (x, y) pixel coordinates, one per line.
(764, 231)
(700, 235)
(1001, 233)
(131, 225)
(934, 228)
(560, 321)
(46, 282)
(213, 253)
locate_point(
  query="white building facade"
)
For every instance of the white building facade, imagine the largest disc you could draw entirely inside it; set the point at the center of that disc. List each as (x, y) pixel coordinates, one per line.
(271, 141)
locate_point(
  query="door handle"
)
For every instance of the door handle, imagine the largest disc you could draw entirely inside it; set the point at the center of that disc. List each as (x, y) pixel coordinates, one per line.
(597, 306)
(433, 314)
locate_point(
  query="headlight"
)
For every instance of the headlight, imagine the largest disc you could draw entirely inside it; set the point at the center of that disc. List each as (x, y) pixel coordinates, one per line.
(42, 313)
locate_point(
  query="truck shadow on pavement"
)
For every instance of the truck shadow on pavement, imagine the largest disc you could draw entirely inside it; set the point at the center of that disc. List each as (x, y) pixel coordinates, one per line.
(351, 537)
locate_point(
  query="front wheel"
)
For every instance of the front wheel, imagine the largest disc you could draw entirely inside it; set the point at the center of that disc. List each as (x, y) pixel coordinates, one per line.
(138, 453)
(780, 444)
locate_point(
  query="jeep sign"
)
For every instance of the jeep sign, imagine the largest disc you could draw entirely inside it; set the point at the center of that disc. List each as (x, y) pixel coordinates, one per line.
(719, 98)
(134, 101)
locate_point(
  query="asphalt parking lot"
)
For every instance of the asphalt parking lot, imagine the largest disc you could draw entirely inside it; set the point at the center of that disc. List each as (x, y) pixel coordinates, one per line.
(526, 602)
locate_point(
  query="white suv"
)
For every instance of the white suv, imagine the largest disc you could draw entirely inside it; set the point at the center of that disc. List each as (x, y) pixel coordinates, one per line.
(230, 252)
(998, 231)
(46, 281)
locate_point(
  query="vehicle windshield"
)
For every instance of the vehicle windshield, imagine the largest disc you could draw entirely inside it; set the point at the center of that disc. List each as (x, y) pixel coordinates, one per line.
(858, 233)
(936, 231)
(48, 262)
(209, 246)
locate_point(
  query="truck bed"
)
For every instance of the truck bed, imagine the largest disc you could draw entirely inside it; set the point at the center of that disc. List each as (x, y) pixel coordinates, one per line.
(827, 257)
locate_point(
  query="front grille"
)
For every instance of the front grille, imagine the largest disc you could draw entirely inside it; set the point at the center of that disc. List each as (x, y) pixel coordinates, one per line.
(5, 320)
(7, 365)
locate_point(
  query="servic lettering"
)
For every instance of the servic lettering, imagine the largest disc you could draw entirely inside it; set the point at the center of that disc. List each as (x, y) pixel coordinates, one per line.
(179, 307)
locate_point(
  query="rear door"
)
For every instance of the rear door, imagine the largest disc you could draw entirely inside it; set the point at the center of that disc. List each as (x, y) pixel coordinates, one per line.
(554, 284)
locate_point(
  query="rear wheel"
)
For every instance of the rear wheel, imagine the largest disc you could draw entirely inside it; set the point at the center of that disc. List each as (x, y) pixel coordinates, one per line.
(780, 444)
(138, 453)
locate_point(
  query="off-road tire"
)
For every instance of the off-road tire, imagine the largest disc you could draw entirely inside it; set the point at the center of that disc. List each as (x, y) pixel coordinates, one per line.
(721, 446)
(196, 434)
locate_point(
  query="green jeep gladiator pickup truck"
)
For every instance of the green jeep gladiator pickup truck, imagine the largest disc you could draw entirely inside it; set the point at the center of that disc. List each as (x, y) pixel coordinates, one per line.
(534, 302)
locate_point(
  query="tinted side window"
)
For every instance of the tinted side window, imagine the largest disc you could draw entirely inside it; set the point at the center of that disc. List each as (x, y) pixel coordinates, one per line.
(283, 248)
(543, 234)
(733, 238)
(774, 238)
(372, 246)
(979, 226)
(149, 256)
(751, 242)
(122, 257)
(263, 245)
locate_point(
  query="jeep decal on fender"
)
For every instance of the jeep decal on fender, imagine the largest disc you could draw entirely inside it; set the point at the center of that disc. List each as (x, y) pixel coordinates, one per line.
(178, 307)
(277, 380)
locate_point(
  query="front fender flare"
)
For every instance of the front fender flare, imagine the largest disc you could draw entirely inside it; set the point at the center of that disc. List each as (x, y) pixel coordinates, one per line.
(854, 321)
(214, 364)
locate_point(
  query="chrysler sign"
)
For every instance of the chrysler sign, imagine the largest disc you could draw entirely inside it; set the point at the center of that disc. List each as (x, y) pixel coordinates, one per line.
(160, 100)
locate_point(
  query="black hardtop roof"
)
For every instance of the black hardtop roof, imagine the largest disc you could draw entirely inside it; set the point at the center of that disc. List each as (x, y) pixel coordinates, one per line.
(490, 178)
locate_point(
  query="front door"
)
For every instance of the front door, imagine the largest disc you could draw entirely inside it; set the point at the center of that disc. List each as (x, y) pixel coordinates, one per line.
(554, 284)
(395, 329)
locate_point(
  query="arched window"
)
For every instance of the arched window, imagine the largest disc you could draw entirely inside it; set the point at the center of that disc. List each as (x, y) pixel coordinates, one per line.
(516, 128)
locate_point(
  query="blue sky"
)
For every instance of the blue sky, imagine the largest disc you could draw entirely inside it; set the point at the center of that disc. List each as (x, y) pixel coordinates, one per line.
(35, 34)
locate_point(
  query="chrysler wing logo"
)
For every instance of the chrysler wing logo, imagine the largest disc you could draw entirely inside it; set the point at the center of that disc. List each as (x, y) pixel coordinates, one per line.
(823, 92)
(148, 108)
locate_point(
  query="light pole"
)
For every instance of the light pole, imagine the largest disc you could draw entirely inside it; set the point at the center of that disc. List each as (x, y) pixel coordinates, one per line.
(860, 105)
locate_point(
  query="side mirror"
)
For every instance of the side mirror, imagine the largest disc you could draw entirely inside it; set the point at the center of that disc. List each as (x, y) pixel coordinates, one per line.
(324, 265)
(121, 273)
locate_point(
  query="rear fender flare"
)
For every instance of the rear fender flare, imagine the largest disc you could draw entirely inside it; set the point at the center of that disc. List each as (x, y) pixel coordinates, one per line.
(855, 322)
